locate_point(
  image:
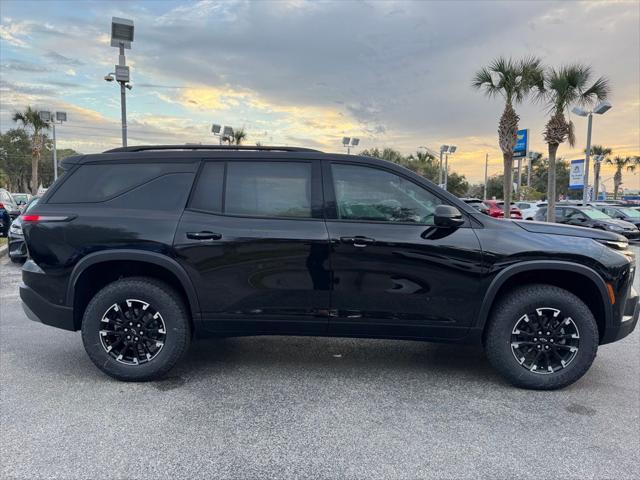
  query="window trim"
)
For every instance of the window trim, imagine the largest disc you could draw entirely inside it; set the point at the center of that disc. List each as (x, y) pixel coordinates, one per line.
(331, 203)
(315, 184)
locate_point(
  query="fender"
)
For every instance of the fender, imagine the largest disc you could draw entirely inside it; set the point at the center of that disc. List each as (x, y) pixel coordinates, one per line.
(139, 256)
(535, 265)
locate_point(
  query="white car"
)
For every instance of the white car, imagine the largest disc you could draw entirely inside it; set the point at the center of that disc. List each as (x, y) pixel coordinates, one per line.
(529, 209)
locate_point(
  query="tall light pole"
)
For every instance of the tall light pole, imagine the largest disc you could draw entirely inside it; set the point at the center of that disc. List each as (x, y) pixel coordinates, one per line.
(443, 149)
(348, 142)
(486, 169)
(52, 120)
(452, 150)
(599, 109)
(121, 38)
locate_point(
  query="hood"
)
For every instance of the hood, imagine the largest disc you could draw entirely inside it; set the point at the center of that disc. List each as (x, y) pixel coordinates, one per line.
(567, 230)
(616, 222)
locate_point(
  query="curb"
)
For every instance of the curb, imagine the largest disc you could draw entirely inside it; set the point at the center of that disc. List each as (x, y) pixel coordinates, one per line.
(3, 250)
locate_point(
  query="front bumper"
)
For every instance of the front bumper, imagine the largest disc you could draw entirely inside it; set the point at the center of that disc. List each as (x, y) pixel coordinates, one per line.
(41, 310)
(629, 319)
(17, 246)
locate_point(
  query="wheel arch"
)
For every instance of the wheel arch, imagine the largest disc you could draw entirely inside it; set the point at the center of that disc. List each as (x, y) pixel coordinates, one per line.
(131, 262)
(576, 278)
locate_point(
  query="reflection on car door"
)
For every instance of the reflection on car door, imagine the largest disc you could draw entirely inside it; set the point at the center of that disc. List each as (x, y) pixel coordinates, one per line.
(394, 273)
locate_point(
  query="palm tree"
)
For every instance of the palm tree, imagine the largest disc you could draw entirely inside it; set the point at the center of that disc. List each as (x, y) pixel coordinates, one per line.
(238, 136)
(513, 81)
(603, 153)
(630, 163)
(31, 121)
(564, 87)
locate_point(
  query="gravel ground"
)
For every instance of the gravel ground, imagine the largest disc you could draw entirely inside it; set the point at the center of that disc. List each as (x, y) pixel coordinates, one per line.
(276, 407)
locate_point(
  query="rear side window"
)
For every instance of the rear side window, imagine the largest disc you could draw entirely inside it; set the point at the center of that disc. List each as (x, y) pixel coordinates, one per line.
(208, 192)
(268, 189)
(102, 182)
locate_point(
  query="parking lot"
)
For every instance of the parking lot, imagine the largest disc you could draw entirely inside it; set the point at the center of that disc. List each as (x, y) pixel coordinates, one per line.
(276, 407)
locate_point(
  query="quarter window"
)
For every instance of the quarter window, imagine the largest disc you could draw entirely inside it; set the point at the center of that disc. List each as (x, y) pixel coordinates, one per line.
(268, 189)
(208, 192)
(364, 193)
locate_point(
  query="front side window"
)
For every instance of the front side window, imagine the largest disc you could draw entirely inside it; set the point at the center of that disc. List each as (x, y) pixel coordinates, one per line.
(364, 193)
(268, 189)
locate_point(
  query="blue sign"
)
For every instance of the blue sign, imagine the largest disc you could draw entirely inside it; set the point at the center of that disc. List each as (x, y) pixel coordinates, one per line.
(576, 175)
(522, 144)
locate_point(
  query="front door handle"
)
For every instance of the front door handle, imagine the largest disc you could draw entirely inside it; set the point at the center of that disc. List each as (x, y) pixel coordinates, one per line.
(204, 236)
(358, 241)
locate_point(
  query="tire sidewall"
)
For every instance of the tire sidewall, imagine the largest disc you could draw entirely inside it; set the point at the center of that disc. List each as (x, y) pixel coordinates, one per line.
(523, 301)
(163, 301)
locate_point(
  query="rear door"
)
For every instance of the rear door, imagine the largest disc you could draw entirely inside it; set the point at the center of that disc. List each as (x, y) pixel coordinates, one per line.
(255, 244)
(395, 273)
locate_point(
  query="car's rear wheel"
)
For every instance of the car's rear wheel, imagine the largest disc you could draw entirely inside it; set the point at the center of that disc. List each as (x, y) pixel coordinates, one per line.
(541, 337)
(136, 329)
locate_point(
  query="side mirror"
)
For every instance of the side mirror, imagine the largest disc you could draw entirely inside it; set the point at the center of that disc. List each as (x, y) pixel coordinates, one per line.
(447, 216)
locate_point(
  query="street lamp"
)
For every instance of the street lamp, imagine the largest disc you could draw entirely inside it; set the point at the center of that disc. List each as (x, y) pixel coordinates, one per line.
(452, 150)
(121, 38)
(58, 118)
(599, 109)
(348, 142)
(225, 134)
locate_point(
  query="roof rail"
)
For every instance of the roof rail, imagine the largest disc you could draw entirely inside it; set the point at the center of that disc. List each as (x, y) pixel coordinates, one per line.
(145, 148)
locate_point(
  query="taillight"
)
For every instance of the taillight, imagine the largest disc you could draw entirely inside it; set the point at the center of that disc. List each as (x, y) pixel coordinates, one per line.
(1, 205)
(46, 218)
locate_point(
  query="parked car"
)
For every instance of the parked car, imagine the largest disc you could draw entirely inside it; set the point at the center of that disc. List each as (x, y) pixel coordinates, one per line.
(592, 218)
(496, 209)
(8, 211)
(627, 214)
(529, 209)
(142, 248)
(21, 199)
(17, 247)
(477, 204)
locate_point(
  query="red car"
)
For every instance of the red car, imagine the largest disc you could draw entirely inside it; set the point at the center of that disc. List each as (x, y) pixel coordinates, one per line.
(496, 209)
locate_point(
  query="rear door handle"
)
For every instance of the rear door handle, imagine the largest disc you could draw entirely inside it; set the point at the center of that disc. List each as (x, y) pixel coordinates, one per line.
(204, 236)
(358, 241)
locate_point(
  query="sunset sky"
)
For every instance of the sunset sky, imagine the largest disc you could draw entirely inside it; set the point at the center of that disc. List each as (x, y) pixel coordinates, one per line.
(305, 73)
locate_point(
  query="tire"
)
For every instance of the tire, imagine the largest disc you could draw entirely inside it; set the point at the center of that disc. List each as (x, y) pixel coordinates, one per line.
(165, 340)
(15, 259)
(516, 322)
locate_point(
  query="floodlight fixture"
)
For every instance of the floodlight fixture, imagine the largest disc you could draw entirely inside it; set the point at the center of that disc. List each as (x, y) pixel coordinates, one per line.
(452, 149)
(227, 132)
(346, 140)
(444, 148)
(121, 32)
(61, 116)
(602, 107)
(580, 111)
(44, 115)
(215, 129)
(355, 142)
(109, 77)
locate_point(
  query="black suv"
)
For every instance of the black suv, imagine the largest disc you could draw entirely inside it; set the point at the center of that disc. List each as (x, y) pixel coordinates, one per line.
(144, 247)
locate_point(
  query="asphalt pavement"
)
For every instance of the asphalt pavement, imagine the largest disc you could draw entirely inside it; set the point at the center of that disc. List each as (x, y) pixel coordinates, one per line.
(279, 407)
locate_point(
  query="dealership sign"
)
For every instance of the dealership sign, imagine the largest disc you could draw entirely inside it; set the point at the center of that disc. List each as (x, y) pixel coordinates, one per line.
(576, 175)
(522, 144)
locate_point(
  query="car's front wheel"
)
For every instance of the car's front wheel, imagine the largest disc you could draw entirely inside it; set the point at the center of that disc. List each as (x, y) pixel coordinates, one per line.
(136, 329)
(541, 337)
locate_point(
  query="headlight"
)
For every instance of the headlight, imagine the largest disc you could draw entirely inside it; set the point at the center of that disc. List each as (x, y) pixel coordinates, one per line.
(615, 228)
(15, 229)
(615, 244)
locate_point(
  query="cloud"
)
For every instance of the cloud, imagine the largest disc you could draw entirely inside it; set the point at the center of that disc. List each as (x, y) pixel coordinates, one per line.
(58, 59)
(11, 32)
(24, 66)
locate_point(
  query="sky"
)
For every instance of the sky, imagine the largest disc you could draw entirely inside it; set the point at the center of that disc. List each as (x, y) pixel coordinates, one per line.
(307, 73)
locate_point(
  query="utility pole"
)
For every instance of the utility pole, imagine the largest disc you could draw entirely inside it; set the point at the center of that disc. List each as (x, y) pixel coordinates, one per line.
(486, 168)
(585, 191)
(446, 170)
(121, 37)
(123, 95)
(440, 166)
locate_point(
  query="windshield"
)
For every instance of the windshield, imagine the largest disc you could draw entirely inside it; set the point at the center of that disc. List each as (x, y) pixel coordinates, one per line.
(595, 214)
(630, 212)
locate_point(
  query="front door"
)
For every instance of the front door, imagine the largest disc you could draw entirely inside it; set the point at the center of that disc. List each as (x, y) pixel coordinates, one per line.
(256, 247)
(394, 272)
